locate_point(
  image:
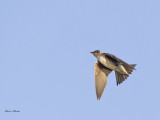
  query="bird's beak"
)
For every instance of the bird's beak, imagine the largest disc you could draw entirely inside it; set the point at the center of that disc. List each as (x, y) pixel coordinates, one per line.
(92, 52)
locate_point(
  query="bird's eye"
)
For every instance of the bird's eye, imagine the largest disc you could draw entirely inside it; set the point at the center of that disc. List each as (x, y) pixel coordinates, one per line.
(97, 51)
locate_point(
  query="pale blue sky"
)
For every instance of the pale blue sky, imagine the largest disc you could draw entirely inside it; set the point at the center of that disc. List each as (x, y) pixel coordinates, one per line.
(47, 69)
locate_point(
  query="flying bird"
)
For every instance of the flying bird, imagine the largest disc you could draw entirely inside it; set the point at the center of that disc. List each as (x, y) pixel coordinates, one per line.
(104, 65)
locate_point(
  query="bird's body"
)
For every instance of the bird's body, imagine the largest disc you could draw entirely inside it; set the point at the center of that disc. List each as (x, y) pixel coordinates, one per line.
(111, 65)
(105, 64)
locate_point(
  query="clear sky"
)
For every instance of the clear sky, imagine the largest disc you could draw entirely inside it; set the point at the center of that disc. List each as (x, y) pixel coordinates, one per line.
(46, 69)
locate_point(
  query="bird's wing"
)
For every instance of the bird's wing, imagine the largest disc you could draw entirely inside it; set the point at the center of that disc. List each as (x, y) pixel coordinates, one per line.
(120, 77)
(115, 59)
(129, 68)
(101, 74)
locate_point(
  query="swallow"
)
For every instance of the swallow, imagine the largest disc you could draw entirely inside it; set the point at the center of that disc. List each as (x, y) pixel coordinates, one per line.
(104, 65)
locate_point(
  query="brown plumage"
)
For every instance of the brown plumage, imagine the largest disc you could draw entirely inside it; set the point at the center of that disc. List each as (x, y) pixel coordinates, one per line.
(104, 65)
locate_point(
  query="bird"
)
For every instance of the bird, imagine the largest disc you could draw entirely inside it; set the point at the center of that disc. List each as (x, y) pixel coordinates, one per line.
(105, 64)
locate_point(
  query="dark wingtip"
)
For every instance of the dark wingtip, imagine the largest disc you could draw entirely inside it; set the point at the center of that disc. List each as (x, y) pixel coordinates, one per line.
(133, 66)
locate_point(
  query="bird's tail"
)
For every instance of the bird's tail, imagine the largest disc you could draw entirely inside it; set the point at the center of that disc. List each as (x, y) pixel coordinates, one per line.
(130, 68)
(121, 77)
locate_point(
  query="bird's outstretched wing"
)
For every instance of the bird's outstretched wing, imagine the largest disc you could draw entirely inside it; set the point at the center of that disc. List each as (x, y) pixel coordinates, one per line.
(116, 60)
(128, 67)
(121, 77)
(101, 74)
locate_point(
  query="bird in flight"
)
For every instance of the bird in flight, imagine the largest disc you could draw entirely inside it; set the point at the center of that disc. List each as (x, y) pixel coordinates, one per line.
(103, 67)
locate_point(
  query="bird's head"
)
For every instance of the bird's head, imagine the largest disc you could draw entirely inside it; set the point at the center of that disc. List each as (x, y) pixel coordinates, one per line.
(96, 53)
